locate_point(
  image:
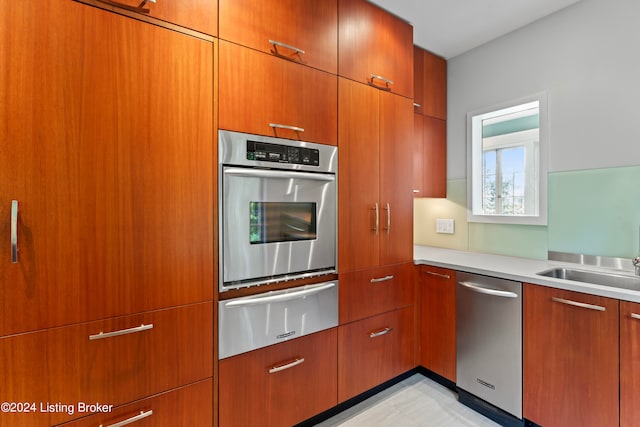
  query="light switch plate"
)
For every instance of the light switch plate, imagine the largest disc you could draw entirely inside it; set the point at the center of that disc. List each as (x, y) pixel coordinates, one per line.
(445, 226)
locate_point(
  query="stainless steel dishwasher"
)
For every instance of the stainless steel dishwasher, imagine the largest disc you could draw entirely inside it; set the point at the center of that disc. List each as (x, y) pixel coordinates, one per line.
(489, 346)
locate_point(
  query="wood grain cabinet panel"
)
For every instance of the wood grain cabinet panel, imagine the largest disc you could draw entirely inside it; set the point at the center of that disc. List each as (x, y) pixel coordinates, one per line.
(280, 385)
(430, 84)
(308, 26)
(374, 42)
(374, 350)
(108, 148)
(570, 358)
(258, 89)
(629, 364)
(437, 314)
(430, 157)
(366, 293)
(158, 351)
(375, 186)
(185, 406)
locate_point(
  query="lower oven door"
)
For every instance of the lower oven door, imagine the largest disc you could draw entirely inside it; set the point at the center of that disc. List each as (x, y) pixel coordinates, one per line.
(276, 224)
(256, 321)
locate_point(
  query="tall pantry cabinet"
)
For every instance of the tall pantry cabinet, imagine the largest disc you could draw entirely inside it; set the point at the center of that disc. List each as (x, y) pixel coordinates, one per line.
(106, 195)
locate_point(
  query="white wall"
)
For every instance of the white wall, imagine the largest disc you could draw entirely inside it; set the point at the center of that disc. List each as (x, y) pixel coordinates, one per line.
(587, 58)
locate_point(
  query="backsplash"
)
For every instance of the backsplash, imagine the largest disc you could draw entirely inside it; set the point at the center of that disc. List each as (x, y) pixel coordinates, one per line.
(595, 211)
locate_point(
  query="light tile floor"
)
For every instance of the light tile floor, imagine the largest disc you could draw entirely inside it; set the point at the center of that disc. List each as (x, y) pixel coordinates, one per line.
(415, 402)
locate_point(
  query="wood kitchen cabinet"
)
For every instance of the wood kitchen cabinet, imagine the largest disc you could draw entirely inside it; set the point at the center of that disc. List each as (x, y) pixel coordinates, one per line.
(262, 94)
(374, 350)
(107, 146)
(375, 47)
(375, 207)
(279, 385)
(301, 31)
(112, 361)
(437, 324)
(629, 364)
(429, 156)
(430, 84)
(570, 358)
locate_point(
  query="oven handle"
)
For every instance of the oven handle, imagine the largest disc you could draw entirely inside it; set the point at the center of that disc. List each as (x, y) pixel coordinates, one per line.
(267, 173)
(281, 297)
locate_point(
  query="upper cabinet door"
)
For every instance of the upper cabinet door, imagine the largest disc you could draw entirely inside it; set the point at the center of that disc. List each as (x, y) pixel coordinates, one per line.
(375, 47)
(199, 15)
(301, 31)
(263, 95)
(430, 84)
(107, 147)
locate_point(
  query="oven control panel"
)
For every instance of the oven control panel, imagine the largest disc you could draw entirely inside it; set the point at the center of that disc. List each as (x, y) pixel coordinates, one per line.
(276, 153)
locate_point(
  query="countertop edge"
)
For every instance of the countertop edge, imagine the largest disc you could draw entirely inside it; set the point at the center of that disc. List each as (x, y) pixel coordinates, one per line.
(516, 268)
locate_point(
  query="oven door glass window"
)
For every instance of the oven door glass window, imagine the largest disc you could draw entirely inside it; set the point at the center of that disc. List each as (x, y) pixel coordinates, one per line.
(271, 222)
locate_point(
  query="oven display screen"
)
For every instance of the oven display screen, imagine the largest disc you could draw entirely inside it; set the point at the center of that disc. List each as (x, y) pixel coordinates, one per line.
(271, 222)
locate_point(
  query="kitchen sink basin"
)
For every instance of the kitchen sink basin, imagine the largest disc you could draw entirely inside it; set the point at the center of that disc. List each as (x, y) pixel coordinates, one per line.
(594, 277)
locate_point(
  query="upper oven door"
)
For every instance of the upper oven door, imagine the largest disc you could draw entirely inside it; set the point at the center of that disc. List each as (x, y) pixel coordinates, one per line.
(276, 223)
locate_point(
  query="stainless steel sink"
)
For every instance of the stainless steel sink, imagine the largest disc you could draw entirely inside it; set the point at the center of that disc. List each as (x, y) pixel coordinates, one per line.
(598, 278)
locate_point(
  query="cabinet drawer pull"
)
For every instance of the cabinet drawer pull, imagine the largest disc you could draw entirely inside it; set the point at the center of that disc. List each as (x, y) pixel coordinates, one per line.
(578, 304)
(133, 419)
(102, 335)
(276, 43)
(442, 276)
(488, 291)
(384, 331)
(415, 104)
(14, 231)
(635, 316)
(416, 191)
(378, 77)
(139, 9)
(382, 279)
(286, 365)
(279, 126)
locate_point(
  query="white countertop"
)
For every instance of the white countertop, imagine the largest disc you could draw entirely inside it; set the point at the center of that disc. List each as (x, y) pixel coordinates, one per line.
(520, 269)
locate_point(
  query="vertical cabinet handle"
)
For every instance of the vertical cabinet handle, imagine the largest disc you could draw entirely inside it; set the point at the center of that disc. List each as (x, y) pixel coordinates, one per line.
(377, 221)
(14, 231)
(131, 420)
(384, 331)
(578, 304)
(387, 208)
(286, 365)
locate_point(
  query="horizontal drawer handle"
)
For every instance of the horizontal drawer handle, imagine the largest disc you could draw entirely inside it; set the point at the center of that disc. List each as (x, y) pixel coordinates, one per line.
(415, 104)
(102, 335)
(312, 289)
(488, 291)
(293, 128)
(635, 316)
(140, 8)
(378, 77)
(384, 331)
(276, 43)
(286, 365)
(443, 276)
(131, 420)
(578, 304)
(382, 279)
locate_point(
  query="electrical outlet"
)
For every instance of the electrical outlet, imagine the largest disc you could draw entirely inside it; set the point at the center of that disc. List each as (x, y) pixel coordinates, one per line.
(445, 226)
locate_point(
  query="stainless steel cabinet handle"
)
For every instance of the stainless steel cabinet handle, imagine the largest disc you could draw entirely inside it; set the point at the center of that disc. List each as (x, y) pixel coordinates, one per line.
(378, 77)
(380, 333)
(443, 276)
(488, 291)
(288, 46)
(387, 208)
(133, 419)
(14, 231)
(266, 173)
(377, 223)
(139, 9)
(415, 104)
(635, 316)
(416, 191)
(293, 128)
(286, 365)
(578, 304)
(382, 279)
(102, 335)
(312, 289)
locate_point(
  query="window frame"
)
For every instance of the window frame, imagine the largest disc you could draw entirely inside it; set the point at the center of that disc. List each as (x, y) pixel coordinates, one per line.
(474, 162)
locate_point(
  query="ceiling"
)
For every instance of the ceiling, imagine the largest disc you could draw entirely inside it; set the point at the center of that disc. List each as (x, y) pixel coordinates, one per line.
(451, 27)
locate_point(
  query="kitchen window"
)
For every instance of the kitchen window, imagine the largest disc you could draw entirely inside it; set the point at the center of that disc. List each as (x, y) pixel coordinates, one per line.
(507, 167)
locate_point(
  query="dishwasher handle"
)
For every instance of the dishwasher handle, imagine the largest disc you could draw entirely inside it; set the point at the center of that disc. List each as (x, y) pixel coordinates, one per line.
(488, 291)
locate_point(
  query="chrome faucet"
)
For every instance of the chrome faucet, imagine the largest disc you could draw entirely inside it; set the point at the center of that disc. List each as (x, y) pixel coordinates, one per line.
(636, 264)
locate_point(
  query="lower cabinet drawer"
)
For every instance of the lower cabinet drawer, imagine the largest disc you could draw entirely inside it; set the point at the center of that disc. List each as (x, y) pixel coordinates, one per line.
(186, 406)
(279, 385)
(110, 362)
(374, 350)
